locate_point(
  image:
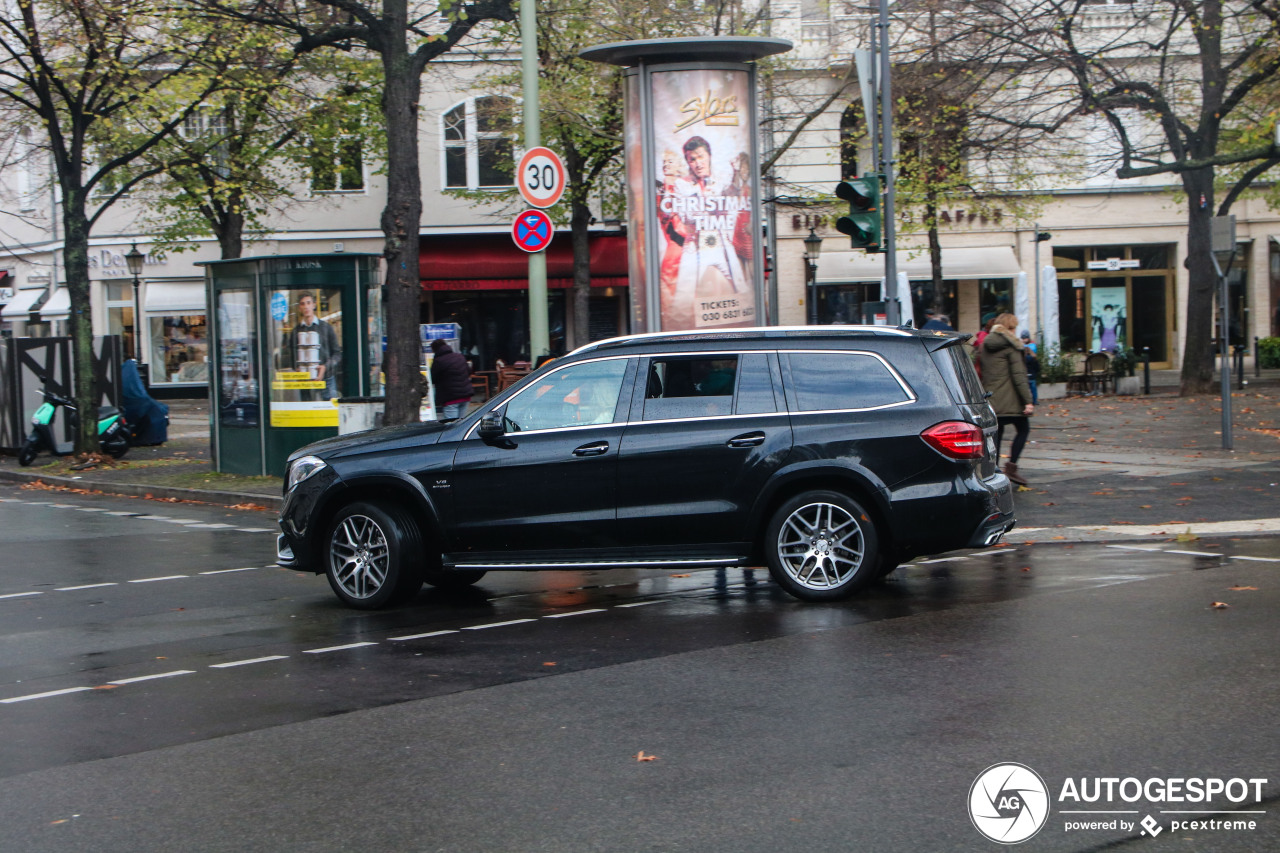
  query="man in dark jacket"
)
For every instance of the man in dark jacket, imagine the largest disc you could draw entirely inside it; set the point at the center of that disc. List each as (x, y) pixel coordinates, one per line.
(451, 376)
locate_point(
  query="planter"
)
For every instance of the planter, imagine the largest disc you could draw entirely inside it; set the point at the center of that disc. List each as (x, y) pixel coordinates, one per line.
(1051, 391)
(1128, 385)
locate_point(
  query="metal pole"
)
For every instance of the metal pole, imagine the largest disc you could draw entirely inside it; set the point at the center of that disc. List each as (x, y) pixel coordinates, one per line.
(1224, 331)
(1257, 359)
(886, 122)
(539, 335)
(1035, 239)
(1146, 370)
(811, 274)
(873, 120)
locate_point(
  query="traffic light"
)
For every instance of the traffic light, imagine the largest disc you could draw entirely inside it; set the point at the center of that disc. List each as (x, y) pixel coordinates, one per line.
(863, 222)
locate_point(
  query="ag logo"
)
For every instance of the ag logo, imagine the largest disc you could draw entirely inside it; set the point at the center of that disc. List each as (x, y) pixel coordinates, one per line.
(1008, 803)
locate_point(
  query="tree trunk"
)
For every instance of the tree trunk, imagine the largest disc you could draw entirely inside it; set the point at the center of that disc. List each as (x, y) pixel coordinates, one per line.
(935, 257)
(1197, 356)
(75, 257)
(231, 229)
(580, 219)
(401, 220)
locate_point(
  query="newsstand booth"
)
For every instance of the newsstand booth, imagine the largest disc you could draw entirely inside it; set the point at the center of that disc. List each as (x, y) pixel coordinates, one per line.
(289, 335)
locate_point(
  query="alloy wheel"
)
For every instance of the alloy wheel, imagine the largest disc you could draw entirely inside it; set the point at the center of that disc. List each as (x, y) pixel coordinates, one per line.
(359, 556)
(821, 546)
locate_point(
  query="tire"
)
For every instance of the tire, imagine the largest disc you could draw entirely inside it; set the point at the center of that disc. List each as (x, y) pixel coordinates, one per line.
(453, 578)
(28, 453)
(822, 546)
(373, 556)
(116, 447)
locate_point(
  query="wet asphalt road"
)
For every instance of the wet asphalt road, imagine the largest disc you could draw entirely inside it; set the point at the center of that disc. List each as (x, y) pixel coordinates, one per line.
(163, 686)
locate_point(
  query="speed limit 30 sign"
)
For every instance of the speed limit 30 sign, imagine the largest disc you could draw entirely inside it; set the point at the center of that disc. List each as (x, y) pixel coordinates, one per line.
(540, 177)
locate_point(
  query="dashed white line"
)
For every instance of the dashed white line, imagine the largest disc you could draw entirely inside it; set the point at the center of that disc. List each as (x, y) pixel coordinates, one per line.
(336, 648)
(165, 578)
(1138, 547)
(1256, 559)
(246, 662)
(20, 594)
(494, 625)
(229, 571)
(209, 526)
(1196, 553)
(184, 521)
(156, 518)
(421, 636)
(30, 696)
(136, 679)
(255, 530)
(642, 603)
(574, 613)
(937, 560)
(84, 586)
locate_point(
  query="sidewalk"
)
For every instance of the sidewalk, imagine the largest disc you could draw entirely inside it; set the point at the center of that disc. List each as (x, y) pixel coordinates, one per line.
(1102, 467)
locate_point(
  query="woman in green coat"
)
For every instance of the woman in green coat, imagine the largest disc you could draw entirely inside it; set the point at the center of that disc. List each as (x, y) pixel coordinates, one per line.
(1004, 374)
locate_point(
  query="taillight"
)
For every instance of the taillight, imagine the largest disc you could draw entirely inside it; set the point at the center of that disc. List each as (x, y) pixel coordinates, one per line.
(955, 439)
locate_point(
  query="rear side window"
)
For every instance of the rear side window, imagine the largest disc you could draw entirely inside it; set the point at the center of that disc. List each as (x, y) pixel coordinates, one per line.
(690, 387)
(957, 368)
(822, 381)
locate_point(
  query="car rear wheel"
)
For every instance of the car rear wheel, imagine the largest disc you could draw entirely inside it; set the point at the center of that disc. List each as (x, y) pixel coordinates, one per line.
(373, 556)
(822, 546)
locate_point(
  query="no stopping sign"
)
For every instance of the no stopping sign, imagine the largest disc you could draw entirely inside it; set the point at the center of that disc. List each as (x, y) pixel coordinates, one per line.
(532, 231)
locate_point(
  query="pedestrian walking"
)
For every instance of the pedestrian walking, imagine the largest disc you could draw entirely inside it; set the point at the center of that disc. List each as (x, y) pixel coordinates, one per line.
(1004, 374)
(1033, 366)
(936, 321)
(451, 376)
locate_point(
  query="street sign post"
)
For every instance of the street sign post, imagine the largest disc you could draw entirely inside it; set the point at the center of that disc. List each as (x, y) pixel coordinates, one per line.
(541, 177)
(532, 231)
(1223, 245)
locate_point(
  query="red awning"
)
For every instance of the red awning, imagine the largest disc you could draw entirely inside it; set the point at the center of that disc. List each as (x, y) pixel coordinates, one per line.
(493, 262)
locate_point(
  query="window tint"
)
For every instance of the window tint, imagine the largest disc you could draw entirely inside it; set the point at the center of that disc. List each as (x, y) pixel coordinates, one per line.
(823, 381)
(957, 368)
(755, 386)
(580, 395)
(690, 387)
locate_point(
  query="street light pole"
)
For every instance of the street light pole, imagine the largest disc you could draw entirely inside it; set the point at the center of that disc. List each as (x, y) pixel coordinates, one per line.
(812, 249)
(134, 259)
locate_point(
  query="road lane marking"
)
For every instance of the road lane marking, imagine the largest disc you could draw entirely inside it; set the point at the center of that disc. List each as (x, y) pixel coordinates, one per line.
(574, 613)
(20, 594)
(336, 648)
(84, 586)
(90, 509)
(246, 662)
(43, 695)
(255, 530)
(421, 636)
(643, 603)
(229, 571)
(165, 578)
(1196, 553)
(937, 560)
(156, 518)
(1138, 547)
(494, 625)
(208, 526)
(1257, 559)
(136, 679)
(181, 520)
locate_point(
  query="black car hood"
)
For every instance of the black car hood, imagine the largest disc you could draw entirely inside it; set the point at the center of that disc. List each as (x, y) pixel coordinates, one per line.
(370, 441)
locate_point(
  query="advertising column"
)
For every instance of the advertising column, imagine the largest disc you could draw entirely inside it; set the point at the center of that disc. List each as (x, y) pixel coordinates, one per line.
(694, 226)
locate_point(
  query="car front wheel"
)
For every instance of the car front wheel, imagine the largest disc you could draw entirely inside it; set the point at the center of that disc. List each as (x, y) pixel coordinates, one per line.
(373, 556)
(822, 546)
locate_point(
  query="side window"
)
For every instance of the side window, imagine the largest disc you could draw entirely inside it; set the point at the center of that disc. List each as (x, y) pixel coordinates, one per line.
(823, 381)
(580, 395)
(755, 386)
(690, 387)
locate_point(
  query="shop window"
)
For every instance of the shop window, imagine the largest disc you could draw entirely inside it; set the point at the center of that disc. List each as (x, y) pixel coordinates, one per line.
(995, 296)
(478, 150)
(1068, 259)
(307, 355)
(179, 348)
(237, 371)
(120, 315)
(1152, 257)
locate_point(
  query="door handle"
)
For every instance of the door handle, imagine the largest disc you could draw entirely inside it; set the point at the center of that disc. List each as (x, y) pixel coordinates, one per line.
(750, 439)
(596, 448)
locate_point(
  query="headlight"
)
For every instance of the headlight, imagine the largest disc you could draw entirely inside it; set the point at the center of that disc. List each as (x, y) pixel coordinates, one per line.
(302, 468)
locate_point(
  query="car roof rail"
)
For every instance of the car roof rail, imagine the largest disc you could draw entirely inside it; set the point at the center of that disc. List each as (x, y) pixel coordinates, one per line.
(747, 332)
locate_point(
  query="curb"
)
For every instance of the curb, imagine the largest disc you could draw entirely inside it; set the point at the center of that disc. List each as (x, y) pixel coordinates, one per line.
(135, 490)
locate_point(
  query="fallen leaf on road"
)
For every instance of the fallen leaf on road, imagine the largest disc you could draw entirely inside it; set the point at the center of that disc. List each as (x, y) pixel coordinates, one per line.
(1145, 506)
(549, 663)
(1239, 588)
(640, 756)
(1217, 605)
(682, 576)
(1186, 537)
(1024, 488)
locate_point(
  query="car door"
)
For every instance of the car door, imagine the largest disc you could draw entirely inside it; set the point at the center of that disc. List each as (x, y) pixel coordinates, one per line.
(707, 430)
(548, 486)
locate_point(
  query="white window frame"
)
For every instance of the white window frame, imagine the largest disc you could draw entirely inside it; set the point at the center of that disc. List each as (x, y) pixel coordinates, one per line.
(471, 137)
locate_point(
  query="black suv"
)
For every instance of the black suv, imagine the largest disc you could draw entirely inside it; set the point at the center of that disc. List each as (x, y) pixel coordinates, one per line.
(831, 454)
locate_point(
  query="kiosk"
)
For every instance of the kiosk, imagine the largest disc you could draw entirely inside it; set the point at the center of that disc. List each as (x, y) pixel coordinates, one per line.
(289, 335)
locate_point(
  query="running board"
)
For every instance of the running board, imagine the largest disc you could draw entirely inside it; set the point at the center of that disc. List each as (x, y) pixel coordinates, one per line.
(606, 564)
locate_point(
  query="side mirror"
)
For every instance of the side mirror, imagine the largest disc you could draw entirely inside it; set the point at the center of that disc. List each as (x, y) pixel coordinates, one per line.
(491, 427)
